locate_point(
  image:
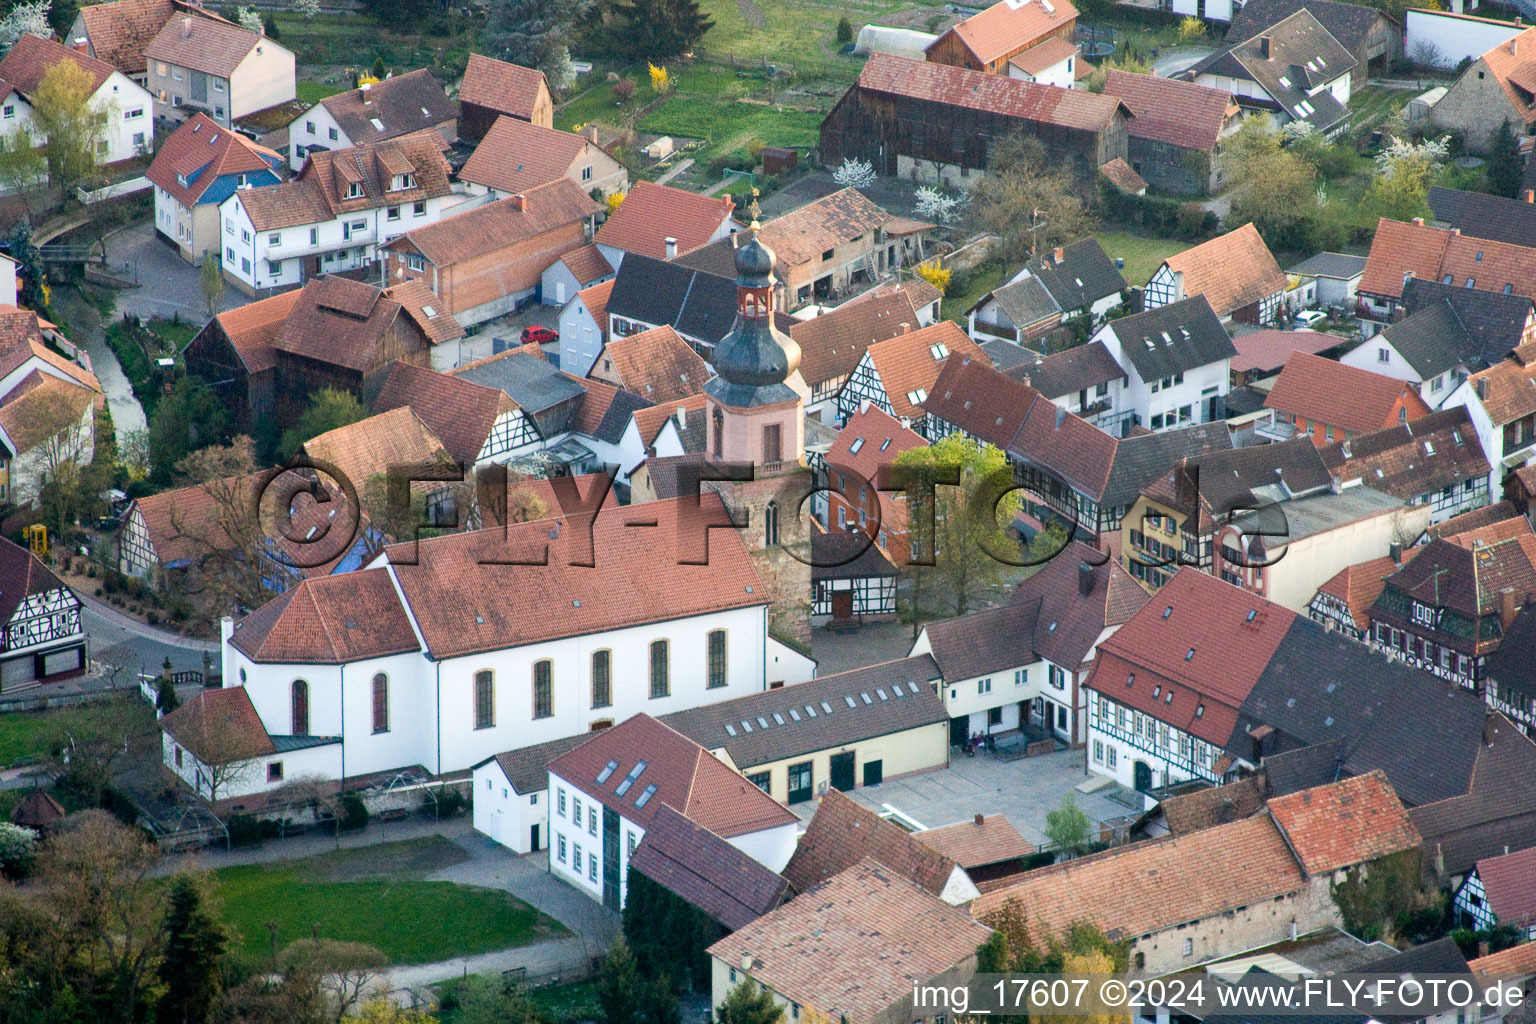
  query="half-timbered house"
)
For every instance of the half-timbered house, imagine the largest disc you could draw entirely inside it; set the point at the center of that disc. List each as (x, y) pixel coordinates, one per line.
(1500, 891)
(897, 375)
(44, 639)
(1235, 272)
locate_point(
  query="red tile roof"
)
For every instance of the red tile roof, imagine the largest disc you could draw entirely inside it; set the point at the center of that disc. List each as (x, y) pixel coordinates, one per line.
(1269, 349)
(253, 329)
(1359, 585)
(32, 57)
(204, 44)
(1516, 961)
(458, 411)
(706, 871)
(338, 321)
(377, 445)
(1123, 176)
(909, 363)
(880, 438)
(831, 344)
(1513, 65)
(1400, 249)
(587, 264)
(651, 213)
(42, 406)
(975, 843)
(1193, 642)
(1345, 823)
(842, 833)
(464, 602)
(501, 224)
(318, 193)
(686, 777)
(595, 299)
(1231, 270)
(1147, 887)
(1044, 55)
(806, 232)
(22, 574)
(328, 620)
(498, 85)
(21, 338)
(658, 365)
(650, 420)
(516, 156)
(854, 947)
(1511, 387)
(998, 94)
(1323, 391)
(118, 32)
(422, 305)
(1011, 25)
(219, 726)
(200, 152)
(1172, 111)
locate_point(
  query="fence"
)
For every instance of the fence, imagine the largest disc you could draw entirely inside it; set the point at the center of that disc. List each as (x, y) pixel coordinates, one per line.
(112, 191)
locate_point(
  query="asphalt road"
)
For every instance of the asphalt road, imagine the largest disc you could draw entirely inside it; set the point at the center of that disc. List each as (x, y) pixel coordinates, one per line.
(141, 648)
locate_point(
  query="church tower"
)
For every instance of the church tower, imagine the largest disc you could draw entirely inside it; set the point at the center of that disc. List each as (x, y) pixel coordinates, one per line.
(756, 417)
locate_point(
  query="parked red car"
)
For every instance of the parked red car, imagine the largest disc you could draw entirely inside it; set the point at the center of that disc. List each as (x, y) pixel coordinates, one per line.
(540, 335)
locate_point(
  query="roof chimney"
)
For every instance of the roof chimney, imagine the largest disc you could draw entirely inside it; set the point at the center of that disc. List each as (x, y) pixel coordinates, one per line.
(1396, 551)
(1060, 254)
(1481, 386)
(746, 960)
(1084, 579)
(366, 90)
(1264, 47)
(1509, 604)
(520, 202)
(682, 416)
(906, 328)
(1530, 195)
(1418, 222)
(978, 818)
(1513, 44)
(186, 28)
(671, 248)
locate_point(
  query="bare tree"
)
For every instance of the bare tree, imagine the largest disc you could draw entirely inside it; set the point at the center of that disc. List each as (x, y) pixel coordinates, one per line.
(98, 892)
(221, 747)
(346, 973)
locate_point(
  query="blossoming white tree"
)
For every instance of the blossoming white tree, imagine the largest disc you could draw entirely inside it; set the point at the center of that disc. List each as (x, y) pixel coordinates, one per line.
(854, 173)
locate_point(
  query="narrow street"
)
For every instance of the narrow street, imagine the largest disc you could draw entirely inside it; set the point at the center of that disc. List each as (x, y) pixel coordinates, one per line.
(86, 330)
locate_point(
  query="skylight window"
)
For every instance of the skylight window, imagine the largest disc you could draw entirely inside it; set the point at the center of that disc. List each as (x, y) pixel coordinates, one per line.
(730, 730)
(1200, 711)
(1169, 698)
(1189, 654)
(1130, 680)
(850, 702)
(858, 443)
(778, 718)
(885, 444)
(938, 350)
(826, 707)
(746, 725)
(645, 798)
(629, 780)
(1285, 83)
(866, 698)
(880, 692)
(912, 686)
(810, 711)
(431, 313)
(794, 715)
(1429, 447)
(378, 125)
(1157, 691)
(1253, 613)
(762, 723)
(917, 396)
(608, 769)
(1167, 611)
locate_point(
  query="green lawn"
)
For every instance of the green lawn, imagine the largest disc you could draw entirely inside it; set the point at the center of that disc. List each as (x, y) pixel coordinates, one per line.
(729, 125)
(982, 280)
(1142, 255)
(377, 895)
(1370, 105)
(26, 734)
(561, 1004)
(314, 92)
(177, 332)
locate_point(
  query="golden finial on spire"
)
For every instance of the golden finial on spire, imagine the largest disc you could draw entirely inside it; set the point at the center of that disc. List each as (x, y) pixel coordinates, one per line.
(756, 211)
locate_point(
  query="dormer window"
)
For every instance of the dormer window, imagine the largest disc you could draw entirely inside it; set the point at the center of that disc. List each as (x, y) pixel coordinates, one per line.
(402, 181)
(354, 191)
(181, 179)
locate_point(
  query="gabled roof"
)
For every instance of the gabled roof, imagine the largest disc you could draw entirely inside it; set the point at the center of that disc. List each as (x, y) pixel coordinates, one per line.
(338, 321)
(1345, 397)
(515, 156)
(806, 232)
(534, 384)
(1466, 522)
(1513, 65)
(328, 620)
(422, 305)
(657, 364)
(1494, 807)
(1511, 663)
(219, 726)
(499, 225)
(1467, 573)
(1510, 386)
(980, 643)
(705, 871)
(998, 94)
(1350, 24)
(200, 153)
(686, 415)
(397, 105)
(1077, 274)
(1516, 961)
(500, 86)
(1480, 215)
(37, 810)
(1400, 250)
(22, 574)
(587, 264)
(909, 364)
(651, 213)
(21, 339)
(31, 57)
(1509, 886)
(1288, 59)
(1231, 270)
(1066, 373)
(253, 329)
(976, 398)
(763, 728)
(1172, 111)
(1192, 654)
(1239, 480)
(640, 765)
(1494, 322)
(1349, 822)
(977, 842)
(378, 445)
(41, 406)
(1147, 887)
(1431, 340)
(853, 554)
(654, 291)
(1359, 585)
(1123, 176)
(842, 833)
(216, 47)
(1068, 622)
(458, 411)
(464, 603)
(1268, 349)
(856, 945)
(1175, 338)
(871, 438)
(1213, 805)
(319, 192)
(1011, 25)
(527, 768)
(1409, 460)
(1044, 55)
(120, 31)
(1027, 302)
(832, 343)
(1337, 265)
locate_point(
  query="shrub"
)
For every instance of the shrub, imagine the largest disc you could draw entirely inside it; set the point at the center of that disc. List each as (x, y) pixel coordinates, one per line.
(624, 90)
(1191, 218)
(153, 618)
(844, 31)
(755, 148)
(450, 801)
(1191, 29)
(934, 274)
(91, 572)
(244, 830)
(354, 814)
(18, 850)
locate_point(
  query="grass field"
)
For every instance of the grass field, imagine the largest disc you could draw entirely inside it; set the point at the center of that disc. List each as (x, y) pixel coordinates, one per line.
(729, 124)
(1142, 255)
(560, 1004)
(377, 895)
(314, 92)
(1370, 105)
(177, 332)
(985, 278)
(26, 734)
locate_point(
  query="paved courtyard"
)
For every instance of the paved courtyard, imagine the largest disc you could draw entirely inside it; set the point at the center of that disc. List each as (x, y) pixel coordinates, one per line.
(1024, 791)
(167, 284)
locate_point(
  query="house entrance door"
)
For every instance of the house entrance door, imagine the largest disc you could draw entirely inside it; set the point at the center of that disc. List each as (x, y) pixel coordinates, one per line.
(842, 771)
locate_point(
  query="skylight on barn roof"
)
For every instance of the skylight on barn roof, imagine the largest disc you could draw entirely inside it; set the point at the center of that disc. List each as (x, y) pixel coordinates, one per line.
(645, 797)
(608, 770)
(629, 780)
